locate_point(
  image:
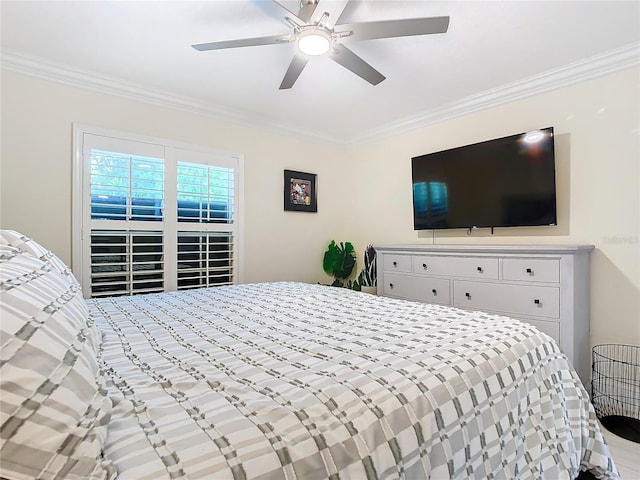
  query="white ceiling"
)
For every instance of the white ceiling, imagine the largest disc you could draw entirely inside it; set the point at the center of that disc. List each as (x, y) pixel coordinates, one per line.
(493, 50)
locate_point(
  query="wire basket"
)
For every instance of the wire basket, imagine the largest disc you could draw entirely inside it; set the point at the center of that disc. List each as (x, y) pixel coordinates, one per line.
(615, 389)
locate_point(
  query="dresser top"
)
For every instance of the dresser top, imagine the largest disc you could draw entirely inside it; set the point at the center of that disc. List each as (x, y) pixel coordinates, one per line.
(532, 249)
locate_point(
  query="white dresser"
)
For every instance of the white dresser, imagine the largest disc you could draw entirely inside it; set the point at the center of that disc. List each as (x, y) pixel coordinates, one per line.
(546, 286)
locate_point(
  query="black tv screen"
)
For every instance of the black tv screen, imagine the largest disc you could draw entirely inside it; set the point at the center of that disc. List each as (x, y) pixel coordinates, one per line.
(506, 182)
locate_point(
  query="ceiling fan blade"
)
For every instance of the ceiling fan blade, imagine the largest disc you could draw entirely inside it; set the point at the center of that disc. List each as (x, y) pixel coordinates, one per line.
(357, 65)
(392, 28)
(244, 42)
(332, 8)
(306, 11)
(293, 72)
(277, 9)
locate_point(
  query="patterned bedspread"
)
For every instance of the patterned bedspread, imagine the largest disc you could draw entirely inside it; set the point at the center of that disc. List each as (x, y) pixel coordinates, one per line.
(297, 381)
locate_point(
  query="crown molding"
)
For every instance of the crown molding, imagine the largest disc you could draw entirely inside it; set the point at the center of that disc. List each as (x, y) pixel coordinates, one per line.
(609, 62)
(612, 61)
(46, 69)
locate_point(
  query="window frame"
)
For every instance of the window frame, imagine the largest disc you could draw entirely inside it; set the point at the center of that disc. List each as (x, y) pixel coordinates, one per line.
(81, 239)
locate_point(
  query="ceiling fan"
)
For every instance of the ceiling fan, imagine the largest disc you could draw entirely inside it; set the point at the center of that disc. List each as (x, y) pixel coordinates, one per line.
(316, 32)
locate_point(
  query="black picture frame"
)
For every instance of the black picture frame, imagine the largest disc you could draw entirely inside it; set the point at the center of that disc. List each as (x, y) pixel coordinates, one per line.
(300, 191)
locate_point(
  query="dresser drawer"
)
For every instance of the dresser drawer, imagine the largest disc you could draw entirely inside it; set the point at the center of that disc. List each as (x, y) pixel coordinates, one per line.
(531, 270)
(511, 299)
(480, 267)
(397, 263)
(422, 289)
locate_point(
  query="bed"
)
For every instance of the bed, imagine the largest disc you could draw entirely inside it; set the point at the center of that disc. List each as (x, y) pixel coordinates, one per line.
(277, 380)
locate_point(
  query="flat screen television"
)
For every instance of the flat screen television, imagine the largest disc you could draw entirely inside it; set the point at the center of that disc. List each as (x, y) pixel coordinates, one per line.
(505, 182)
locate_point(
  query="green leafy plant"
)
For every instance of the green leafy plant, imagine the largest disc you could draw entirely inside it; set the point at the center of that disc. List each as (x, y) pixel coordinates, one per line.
(368, 275)
(339, 261)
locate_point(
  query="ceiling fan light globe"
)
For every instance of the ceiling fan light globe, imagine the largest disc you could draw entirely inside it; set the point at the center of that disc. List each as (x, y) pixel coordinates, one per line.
(314, 43)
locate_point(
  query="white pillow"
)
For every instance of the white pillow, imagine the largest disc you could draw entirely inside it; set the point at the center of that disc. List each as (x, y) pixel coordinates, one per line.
(28, 245)
(54, 409)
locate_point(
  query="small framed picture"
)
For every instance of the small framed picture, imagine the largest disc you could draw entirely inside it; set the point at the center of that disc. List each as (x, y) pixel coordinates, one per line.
(300, 192)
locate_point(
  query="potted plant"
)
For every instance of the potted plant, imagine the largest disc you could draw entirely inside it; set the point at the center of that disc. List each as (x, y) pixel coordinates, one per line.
(368, 276)
(339, 261)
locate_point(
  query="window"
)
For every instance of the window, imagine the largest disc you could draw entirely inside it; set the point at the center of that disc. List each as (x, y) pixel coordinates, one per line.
(151, 216)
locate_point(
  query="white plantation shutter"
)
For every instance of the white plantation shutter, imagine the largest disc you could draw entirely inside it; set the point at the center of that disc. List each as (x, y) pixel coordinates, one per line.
(126, 262)
(205, 193)
(155, 217)
(205, 259)
(126, 187)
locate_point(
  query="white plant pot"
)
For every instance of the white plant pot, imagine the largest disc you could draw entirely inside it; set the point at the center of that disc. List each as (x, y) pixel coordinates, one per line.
(371, 290)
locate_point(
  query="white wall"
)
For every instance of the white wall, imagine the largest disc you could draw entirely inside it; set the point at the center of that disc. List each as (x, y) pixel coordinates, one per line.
(37, 118)
(364, 191)
(597, 127)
